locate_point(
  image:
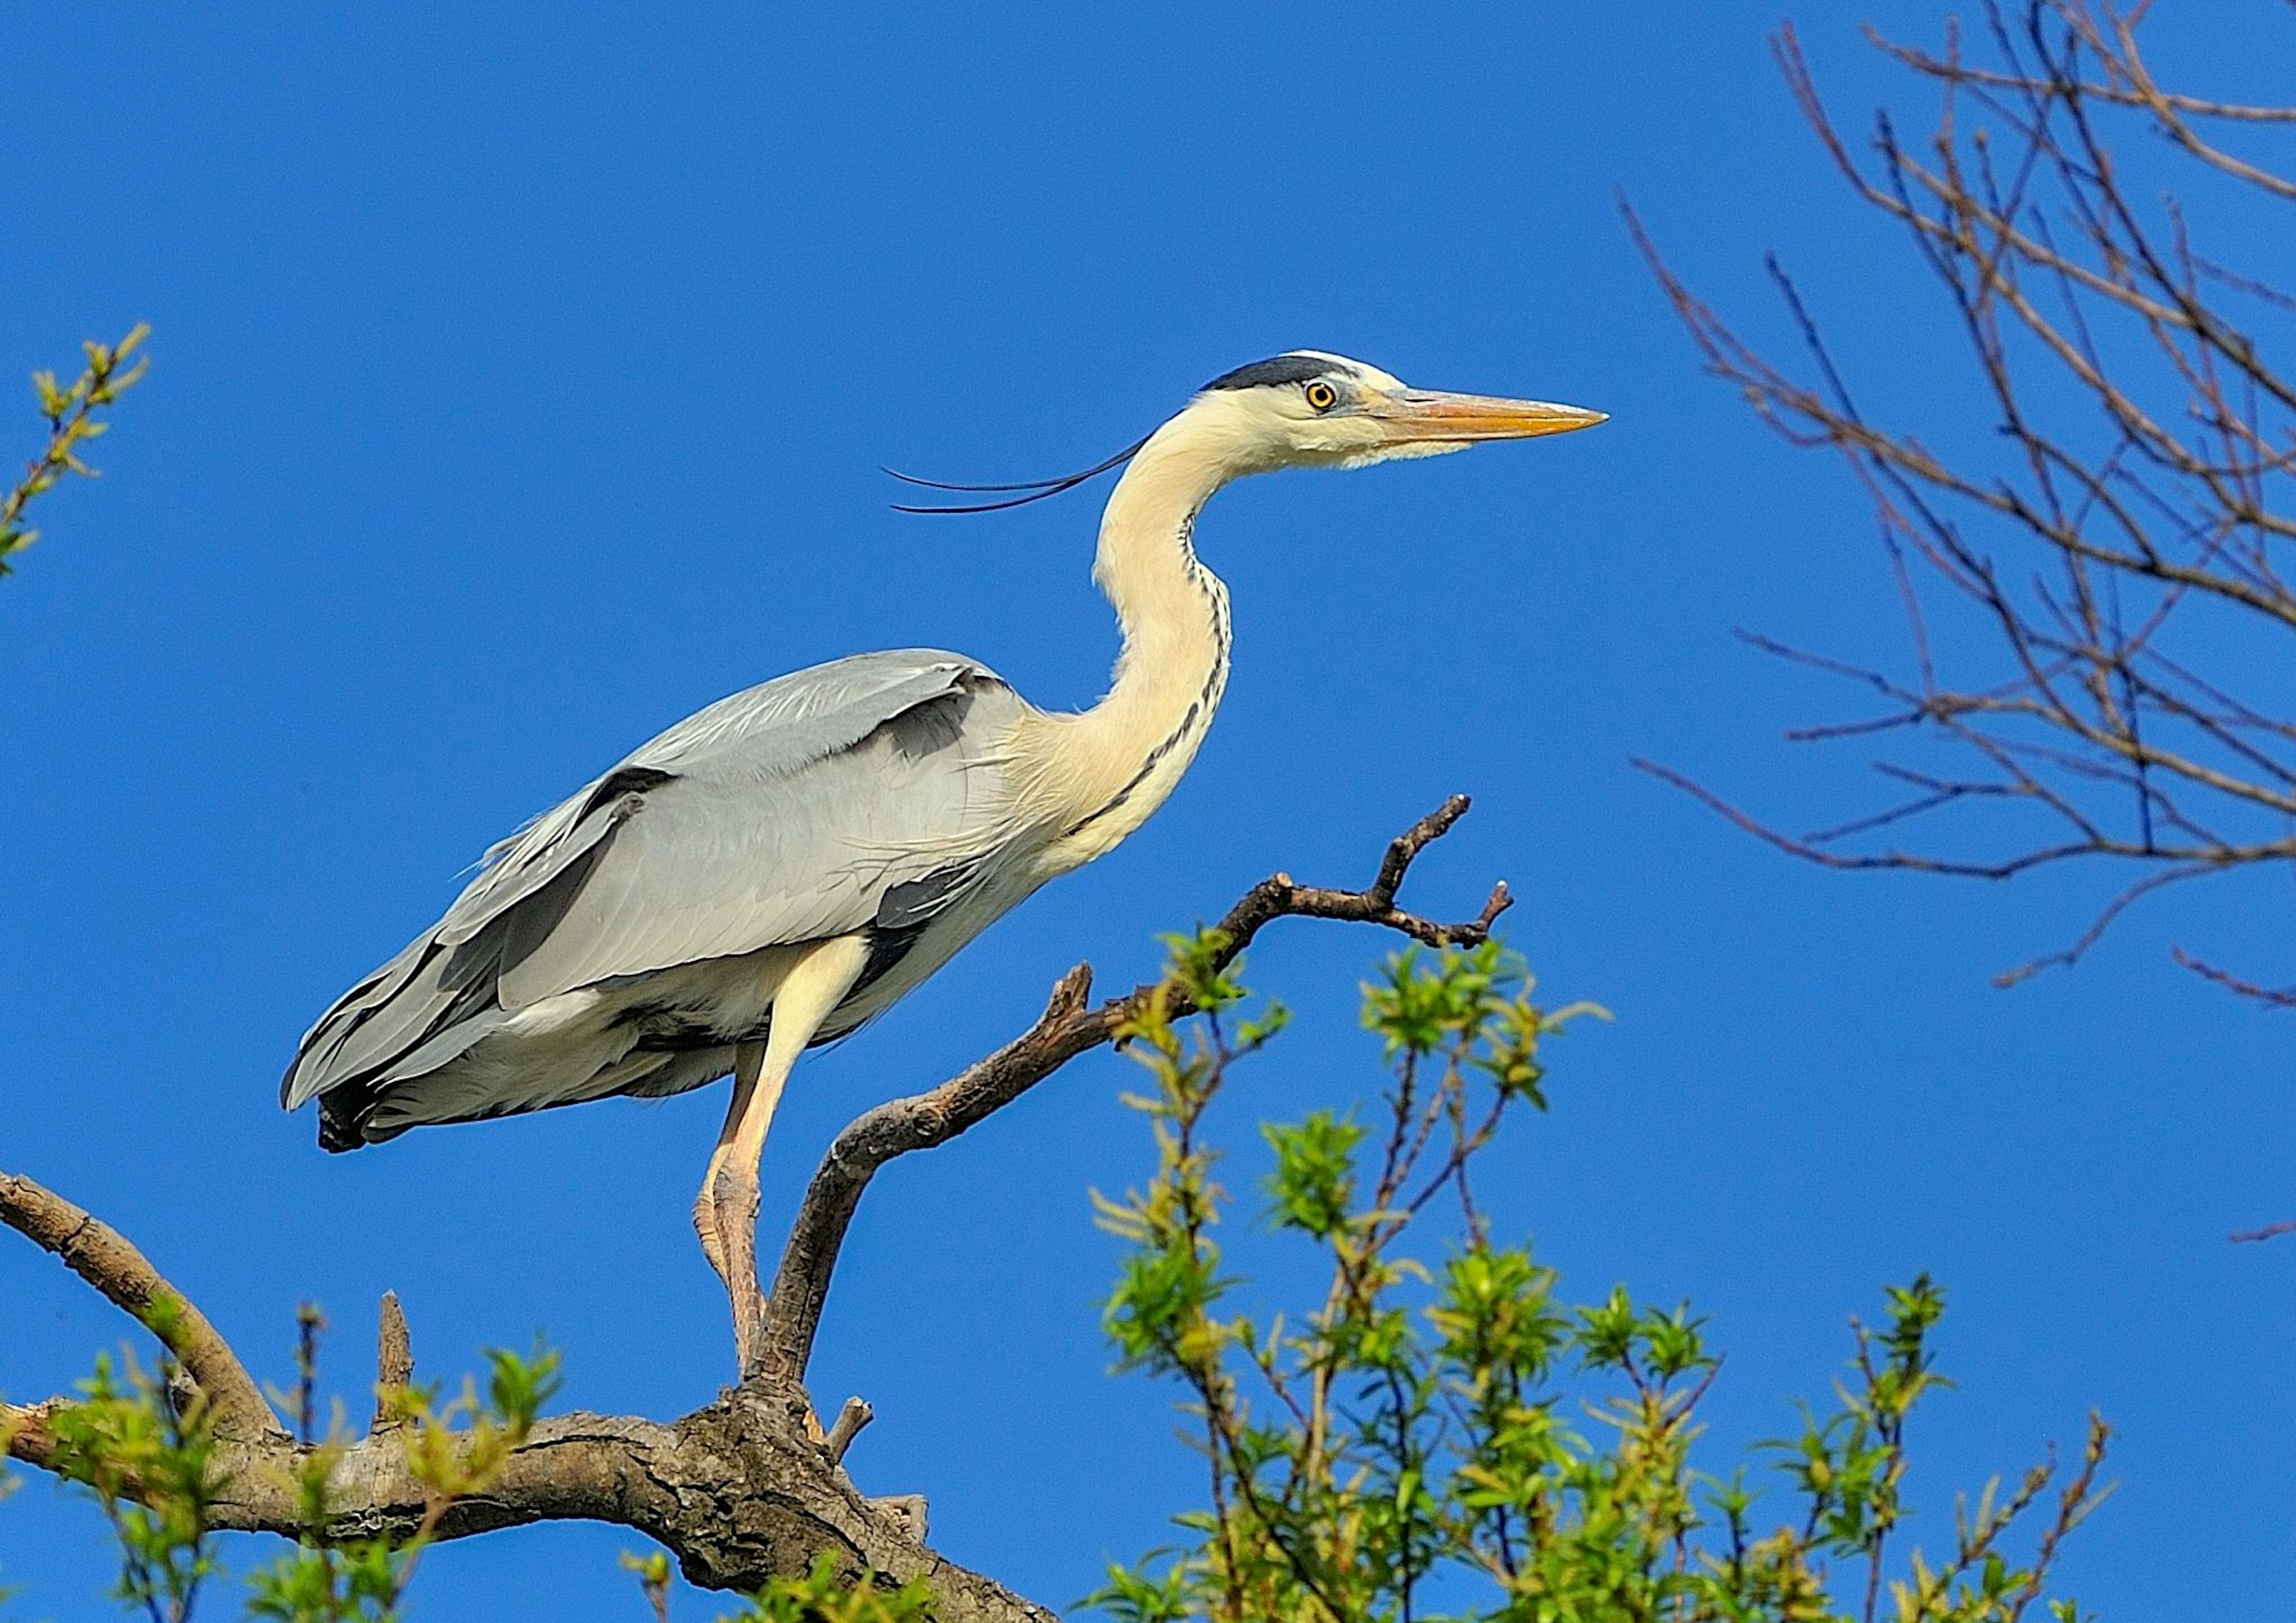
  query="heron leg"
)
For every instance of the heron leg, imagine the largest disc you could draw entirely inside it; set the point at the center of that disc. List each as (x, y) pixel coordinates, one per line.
(811, 990)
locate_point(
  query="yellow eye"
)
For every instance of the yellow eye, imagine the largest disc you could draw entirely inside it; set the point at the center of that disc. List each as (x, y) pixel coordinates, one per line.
(1322, 396)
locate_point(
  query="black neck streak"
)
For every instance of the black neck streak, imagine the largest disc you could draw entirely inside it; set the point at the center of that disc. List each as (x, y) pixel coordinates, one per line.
(1199, 712)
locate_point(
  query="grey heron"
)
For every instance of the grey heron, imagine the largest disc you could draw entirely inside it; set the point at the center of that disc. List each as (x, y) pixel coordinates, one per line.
(779, 867)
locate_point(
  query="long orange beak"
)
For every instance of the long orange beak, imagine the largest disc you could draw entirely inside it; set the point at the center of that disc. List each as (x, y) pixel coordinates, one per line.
(1424, 416)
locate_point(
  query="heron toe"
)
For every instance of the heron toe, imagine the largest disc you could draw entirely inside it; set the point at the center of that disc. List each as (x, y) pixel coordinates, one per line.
(705, 1226)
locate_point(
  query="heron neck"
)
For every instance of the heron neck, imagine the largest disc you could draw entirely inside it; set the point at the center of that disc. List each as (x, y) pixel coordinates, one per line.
(1130, 750)
(1172, 610)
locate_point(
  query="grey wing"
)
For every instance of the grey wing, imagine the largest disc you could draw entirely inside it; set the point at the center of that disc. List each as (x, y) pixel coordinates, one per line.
(820, 803)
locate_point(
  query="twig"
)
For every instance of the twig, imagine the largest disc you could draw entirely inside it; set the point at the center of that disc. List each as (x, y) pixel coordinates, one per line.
(2276, 998)
(2270, 1231)
(855, 1415)
(394, 1362)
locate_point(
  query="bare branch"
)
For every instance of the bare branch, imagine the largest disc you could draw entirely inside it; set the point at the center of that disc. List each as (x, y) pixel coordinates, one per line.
(2276, 998)
(2148, 450)
(2198, 107)
(1064, 1030)
(846, 1426)
(2270, 1231)
(2071, 953)
(1810, 851)
(90, 1248)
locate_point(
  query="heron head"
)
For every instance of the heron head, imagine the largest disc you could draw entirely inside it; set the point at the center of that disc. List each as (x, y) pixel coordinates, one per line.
(1306, 409)
(1311, 409)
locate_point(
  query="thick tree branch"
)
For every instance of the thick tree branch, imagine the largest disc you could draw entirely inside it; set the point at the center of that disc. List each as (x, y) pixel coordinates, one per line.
(740, 1491)
(735, 1490)
(98, 1254)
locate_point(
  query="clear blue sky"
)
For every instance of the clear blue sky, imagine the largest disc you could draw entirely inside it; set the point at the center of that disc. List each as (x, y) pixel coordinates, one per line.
(521, 377)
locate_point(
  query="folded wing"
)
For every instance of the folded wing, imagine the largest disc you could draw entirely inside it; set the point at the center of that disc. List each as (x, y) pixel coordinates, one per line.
(818, 804)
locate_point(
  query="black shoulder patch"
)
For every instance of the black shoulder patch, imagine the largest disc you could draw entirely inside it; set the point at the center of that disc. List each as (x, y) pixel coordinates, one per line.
(1278, 370)
(625, 781)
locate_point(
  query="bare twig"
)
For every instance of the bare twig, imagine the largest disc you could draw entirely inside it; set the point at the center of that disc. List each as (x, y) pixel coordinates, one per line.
(2276, 998)
(855, 1415)
(2270, 1231)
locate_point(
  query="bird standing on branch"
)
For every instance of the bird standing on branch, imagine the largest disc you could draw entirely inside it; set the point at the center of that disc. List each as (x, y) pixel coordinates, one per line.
(778, 868)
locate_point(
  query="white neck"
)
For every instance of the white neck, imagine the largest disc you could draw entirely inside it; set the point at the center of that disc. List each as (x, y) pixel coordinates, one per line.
(1107, 769)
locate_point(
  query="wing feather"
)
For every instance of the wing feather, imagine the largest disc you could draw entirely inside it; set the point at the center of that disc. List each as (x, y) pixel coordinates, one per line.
(783, 814)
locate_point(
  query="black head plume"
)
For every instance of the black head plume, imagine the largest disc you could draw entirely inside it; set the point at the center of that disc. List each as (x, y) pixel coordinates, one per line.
(1038, 488)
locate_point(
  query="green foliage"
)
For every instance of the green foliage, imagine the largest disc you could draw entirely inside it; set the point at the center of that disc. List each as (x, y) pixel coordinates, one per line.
(652, 1570)
(1440, 1428)
(455, 1450)
(826, 1594)
(7, 1486)
(1313, 1183)
(141, 1446)
(70, 411)
(363, 1581)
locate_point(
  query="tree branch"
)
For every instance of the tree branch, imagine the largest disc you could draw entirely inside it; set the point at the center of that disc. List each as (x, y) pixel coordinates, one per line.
(1066, 1029)
(96, 1252)
(740, 1491)
(736, 1491)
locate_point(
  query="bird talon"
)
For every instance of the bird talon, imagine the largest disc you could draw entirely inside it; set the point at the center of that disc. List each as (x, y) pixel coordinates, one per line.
(705, 1224)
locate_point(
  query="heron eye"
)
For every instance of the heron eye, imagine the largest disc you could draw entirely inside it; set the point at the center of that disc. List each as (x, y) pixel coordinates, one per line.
(1322, 396)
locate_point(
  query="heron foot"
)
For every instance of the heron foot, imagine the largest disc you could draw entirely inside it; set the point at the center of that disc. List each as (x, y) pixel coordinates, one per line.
(733, 1196)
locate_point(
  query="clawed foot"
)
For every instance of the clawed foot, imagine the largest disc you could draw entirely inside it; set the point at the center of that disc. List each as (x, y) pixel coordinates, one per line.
(725, 1218)
(748, 1331)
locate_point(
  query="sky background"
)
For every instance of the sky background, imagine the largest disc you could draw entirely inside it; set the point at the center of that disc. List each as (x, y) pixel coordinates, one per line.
(520, 375)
